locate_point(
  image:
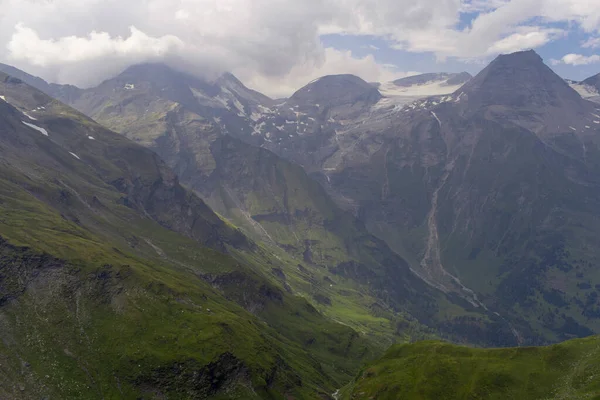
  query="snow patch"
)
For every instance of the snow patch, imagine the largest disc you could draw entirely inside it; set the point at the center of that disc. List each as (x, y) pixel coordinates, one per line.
(265, 110)
(573, 128)
(203, 99)
(129, 86)
(91, 138)
(258, 128)
(75, 155)
(3, 98)
(436, 117)
(29, 116)
(584, 91)
(236, 103)
(37, 128)
(398, 95)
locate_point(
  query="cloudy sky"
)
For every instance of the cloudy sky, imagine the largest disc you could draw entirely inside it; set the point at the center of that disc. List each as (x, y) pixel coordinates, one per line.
(276, 46)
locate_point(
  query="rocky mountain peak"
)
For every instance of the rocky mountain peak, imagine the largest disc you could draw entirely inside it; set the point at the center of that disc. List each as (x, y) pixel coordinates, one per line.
(337, 90)
(519, 79)
(593, 81)
(230, 82)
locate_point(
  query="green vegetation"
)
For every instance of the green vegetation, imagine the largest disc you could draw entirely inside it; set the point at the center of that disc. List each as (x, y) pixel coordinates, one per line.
(440, 371)
(111, 287)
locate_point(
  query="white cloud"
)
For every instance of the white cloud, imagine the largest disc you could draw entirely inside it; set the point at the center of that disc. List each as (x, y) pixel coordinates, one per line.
(74, 57)
(585, 13)
(529, 38)
(591, 43)
(25, 44)
(497, 25)
(578, 59)
(85, 41)
(91, 40)
(504, 29)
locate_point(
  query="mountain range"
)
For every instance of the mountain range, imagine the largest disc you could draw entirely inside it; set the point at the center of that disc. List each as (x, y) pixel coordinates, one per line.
(436, 206)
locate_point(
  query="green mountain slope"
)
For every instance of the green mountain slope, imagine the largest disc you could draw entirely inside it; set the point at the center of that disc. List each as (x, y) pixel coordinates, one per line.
(109, 287)
(441, 371)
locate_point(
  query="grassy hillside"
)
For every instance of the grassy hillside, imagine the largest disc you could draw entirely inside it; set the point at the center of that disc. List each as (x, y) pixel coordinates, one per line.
(433, 370)
(114, 282)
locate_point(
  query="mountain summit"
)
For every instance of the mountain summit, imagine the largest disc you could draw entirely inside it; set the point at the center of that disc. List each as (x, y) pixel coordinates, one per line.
(336, 92)
(519, 80)
(593, 81)
(589, 88)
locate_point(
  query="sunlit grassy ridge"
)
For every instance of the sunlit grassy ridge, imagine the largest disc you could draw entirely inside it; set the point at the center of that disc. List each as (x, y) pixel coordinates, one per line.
(433, 370)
